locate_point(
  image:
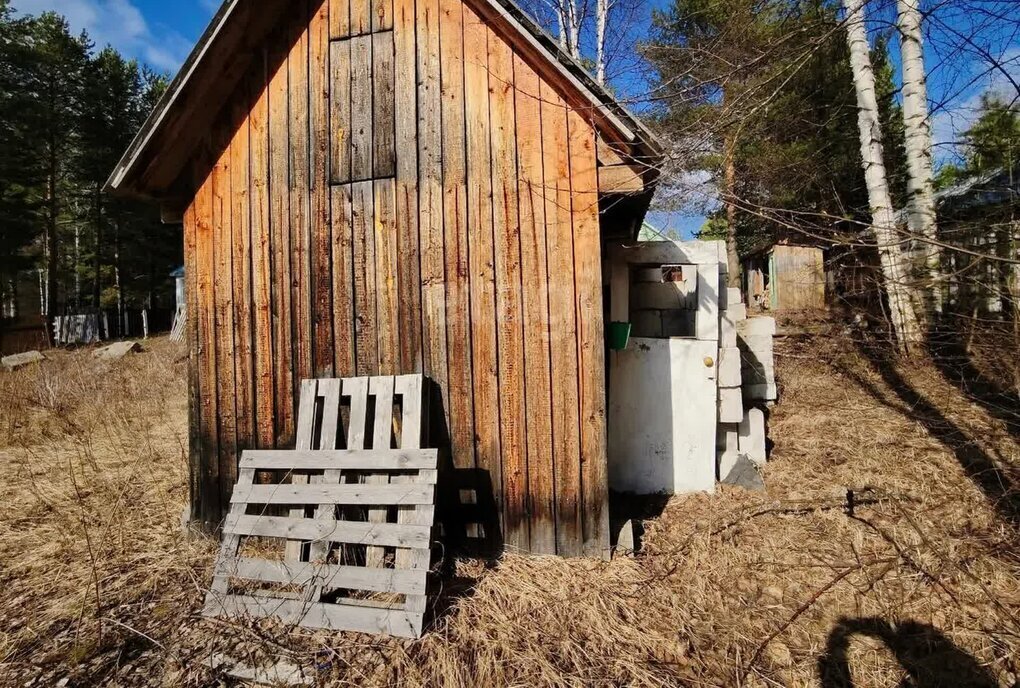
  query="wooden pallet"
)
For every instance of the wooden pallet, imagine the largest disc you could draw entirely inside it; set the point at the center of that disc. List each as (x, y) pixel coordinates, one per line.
(336, 533)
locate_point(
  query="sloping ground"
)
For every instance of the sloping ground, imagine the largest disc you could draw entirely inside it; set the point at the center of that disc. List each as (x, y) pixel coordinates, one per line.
(883, 553)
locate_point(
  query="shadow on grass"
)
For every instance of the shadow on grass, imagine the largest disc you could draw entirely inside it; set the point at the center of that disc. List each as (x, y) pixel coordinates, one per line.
(999, 487)
(949, 353)
(929, 658)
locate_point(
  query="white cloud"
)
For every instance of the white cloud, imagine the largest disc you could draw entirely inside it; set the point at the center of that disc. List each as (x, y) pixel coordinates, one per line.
(118, 23)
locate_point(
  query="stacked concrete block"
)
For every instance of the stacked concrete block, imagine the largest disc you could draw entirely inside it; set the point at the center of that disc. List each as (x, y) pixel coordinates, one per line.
(727, 448)
(730, 379)
(730, 368)
(663, 302)
(751, 437)
(747, 378)
(731, 405)
(758, 369)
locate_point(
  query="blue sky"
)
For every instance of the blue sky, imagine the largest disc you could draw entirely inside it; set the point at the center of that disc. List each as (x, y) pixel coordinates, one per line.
(160, 33)
(962, 44)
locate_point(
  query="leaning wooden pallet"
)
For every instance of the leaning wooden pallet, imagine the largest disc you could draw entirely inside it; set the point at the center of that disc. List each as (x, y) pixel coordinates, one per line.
(353, 553)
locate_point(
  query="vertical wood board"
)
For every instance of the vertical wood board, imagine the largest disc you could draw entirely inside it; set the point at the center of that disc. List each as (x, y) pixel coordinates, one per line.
(509, 325)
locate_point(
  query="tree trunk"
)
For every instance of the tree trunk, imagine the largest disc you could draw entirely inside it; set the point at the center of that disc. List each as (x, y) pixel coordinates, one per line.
(6, 300)
(601, 22)
(51, 243)
(883, 222)
(97, 285)
(730, 199)
(561, 16)
(1013, 286)
(42, 294)
(921, 219)
(570, 27)
(117, 273)
(77, 266)
(730, 189)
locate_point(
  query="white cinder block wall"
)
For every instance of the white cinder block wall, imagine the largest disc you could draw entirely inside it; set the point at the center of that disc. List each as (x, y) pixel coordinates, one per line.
(663, 389)
(746, 343)
(682, 396)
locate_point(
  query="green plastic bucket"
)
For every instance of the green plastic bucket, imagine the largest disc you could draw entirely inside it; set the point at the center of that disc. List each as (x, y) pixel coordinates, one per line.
(619, 335)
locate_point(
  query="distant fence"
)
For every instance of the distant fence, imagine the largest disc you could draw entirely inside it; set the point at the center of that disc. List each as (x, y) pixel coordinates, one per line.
(90, 328)
(76, 329)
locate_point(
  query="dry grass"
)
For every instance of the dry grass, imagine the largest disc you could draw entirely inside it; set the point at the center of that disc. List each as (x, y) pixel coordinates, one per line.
(98, 584)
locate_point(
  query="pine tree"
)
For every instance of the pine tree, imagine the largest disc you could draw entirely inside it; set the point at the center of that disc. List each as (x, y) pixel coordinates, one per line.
(55, 84)
(993, 141)
(114, 90)
(765, 90)
(66, 116)
(19, 207)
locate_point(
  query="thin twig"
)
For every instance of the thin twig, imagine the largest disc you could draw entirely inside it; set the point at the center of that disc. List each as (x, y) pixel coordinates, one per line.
(807, 605)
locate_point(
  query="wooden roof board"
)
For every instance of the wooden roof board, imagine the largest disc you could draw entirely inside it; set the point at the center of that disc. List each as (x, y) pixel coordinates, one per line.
(168, 138)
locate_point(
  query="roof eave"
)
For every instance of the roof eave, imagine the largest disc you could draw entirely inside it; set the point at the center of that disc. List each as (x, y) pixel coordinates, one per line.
(126, 166)
(128, 177)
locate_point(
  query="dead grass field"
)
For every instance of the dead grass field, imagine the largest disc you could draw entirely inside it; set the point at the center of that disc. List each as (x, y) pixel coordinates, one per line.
(915, 582)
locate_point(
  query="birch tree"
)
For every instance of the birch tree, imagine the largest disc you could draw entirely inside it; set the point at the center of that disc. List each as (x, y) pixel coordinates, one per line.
(602, 9)
(921, 214)
(570, 18)
(883, 222)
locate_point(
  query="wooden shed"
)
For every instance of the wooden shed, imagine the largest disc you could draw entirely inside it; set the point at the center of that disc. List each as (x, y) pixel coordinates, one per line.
(379, 187)
(784, 277)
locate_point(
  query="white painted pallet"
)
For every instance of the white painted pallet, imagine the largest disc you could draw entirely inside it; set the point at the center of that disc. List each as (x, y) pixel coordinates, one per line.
(352, 525)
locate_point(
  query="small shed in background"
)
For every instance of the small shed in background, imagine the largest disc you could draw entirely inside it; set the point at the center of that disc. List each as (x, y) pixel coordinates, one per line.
(179, 293)
(785, 277)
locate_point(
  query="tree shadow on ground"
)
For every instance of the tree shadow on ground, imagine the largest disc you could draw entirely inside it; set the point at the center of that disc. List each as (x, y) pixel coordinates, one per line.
(999, 485)
(929, 658)
(950, 355)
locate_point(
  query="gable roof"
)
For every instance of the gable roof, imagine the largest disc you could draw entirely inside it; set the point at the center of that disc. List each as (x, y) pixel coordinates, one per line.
(155, 159)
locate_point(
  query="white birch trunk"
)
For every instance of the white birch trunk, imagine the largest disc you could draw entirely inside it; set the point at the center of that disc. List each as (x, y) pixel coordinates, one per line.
(77, 268)
(601, 22)
(574, 18)
(561, 16)
(921, 213)
(570, 27)
(883, 222)
(1014, 297)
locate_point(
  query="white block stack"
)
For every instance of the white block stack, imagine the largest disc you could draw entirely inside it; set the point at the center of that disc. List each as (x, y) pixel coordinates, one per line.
(758, 370)
(731, 403)
(747, 377)
(727, 447)
(751, 440)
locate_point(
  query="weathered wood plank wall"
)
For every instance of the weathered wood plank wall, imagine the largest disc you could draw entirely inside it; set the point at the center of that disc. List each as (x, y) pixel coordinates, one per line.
(397, 189)
(799, 278)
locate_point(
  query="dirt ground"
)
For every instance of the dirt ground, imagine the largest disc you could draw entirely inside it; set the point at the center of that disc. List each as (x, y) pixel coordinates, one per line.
(883, 552)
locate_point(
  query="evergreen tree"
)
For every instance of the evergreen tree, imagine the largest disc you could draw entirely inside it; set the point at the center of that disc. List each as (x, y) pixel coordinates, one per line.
(775, 77)
(55, 85)
(993, 141)
(114, 88)
(991, 144)
(19, 208)
(67, 114)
